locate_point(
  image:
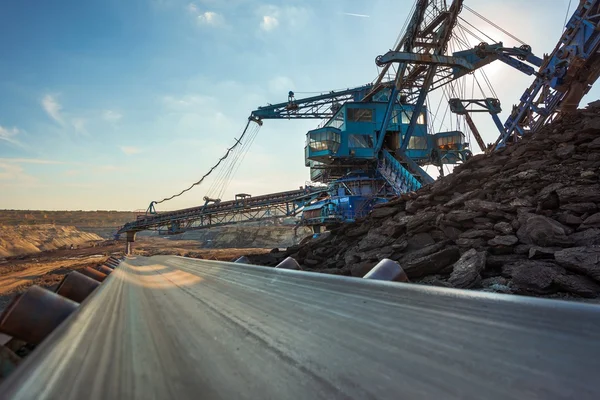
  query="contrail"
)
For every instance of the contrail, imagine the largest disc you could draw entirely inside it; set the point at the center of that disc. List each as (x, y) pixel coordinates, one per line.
(357, 15)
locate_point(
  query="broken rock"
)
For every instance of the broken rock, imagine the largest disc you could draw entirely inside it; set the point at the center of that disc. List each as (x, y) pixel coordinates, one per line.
(466, 272)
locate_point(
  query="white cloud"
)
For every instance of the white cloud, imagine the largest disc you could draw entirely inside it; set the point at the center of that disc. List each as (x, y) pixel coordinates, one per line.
(9, 134)
(111, 116)
(79, 125)
(193, 9)
(130, 150)
(269, 23)
(357, 15)
(52, 108)
(211, 18)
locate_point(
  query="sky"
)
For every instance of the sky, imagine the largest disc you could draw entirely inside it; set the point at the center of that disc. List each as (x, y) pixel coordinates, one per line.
(110, 104)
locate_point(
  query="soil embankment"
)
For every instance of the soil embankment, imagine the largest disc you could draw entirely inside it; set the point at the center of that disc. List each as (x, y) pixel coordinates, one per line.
(28, 239)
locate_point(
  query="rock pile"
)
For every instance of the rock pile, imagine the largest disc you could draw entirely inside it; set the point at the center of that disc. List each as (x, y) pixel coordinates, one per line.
(523, 220)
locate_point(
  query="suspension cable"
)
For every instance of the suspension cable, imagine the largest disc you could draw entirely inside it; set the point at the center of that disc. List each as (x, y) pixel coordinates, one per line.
(567, 16)
(494, 25)
(237, 142)
(478, 30)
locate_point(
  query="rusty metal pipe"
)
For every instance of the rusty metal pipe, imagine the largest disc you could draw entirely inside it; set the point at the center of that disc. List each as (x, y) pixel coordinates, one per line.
(94, 274)
(76, 286)
(104, 269)
(387, 270)
(33, 315)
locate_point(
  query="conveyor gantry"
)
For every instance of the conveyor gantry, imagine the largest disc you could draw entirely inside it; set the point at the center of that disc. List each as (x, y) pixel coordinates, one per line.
(243, 209)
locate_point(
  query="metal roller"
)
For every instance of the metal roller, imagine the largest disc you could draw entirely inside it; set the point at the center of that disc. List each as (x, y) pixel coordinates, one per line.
(76, 286)
(33, 315)
(104, 269)
(289, 263)
(94, 274)
(387, 270)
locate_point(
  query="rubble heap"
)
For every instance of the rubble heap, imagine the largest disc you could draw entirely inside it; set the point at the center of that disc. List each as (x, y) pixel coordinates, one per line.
(523, 220)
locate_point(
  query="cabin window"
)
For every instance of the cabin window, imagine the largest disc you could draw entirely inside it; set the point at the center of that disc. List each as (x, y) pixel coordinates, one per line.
(360, 115)
(360, 141)
(324, 140)
(407, 115)
(417, 143)
(337, 121)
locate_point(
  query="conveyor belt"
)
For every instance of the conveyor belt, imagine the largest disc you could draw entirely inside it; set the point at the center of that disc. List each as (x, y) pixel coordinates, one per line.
(174, 328)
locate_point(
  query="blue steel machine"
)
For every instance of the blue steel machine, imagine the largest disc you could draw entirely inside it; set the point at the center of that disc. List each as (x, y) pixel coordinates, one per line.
(376, 138)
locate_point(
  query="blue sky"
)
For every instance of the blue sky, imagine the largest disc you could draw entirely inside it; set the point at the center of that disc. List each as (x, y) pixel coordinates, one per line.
(111, 104)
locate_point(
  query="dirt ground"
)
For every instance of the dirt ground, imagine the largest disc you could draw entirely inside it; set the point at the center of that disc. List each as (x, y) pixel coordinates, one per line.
(47, 268)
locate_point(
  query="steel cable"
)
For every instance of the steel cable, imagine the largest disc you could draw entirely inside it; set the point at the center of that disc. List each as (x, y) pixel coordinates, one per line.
(238, 141)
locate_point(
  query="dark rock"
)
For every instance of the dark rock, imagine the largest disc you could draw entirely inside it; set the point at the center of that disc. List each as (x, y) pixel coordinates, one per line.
(519, 203)
(504, 227)
(374, 240)
(569, 219)
(400, 244)
(431, 264)
(537, 253)
(544, 232)
(522, 248)
(503, 241)
(565, 151)
(358, 230)
(495, 280)
(466, 272)
(459, 199)
(311, 262)
(496, 284)
(533, 277)
(383, 212)
(476, 233)
(550, 201)
(495, 262)
(434, 280)
(579, 194)
(478, 243)
(421, 222)
(579, 285)
(593, 221)
(481, 205)
(589, 237)
(419, 241)
(460, 215)
(583, 260)
(451, 232)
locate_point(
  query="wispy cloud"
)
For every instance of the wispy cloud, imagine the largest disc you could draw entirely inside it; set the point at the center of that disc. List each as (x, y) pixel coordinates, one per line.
(207, 17)
(79, 125)
(111, 116)
(130, 150)
(211, 18)
(269, 22)
(15, 173)
(53, 108)
(357, 15)
(30, 161)
(285, 17)
(9, 135)
(106, 168)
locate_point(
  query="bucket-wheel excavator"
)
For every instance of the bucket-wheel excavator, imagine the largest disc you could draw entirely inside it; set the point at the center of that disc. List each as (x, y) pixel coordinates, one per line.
(376, 140)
